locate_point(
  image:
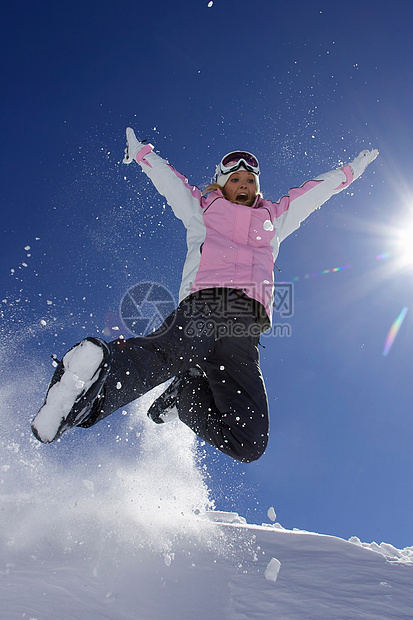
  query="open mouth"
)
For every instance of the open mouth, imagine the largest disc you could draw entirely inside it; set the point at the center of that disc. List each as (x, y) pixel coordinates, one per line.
(242, 196)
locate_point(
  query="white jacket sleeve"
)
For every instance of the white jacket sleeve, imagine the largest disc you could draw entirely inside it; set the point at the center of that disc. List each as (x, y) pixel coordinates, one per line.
(291, 210)
(301, 201)
(184, 199)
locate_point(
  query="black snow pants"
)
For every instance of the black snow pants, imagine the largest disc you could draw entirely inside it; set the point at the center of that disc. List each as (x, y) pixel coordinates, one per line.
(218, 330)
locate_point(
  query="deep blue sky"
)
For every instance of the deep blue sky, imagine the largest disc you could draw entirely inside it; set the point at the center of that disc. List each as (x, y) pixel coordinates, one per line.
(305, 85)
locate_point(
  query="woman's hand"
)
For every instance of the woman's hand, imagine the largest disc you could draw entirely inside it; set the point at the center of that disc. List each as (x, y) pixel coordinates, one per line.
(133, 146)
(361, 162)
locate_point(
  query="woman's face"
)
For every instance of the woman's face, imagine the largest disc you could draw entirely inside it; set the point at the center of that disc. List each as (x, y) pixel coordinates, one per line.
(240, 188)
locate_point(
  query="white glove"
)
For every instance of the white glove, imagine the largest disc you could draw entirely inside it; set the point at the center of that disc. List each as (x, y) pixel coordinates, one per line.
(133, 146)
(361, 162)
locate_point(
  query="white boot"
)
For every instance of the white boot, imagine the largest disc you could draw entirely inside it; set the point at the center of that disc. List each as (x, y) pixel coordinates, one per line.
(73, 390)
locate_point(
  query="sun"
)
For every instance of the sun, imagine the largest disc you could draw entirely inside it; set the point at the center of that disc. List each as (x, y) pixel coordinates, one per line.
(405, 246)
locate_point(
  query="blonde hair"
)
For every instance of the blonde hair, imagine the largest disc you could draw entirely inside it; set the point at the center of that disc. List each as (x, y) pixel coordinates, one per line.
(212, 187)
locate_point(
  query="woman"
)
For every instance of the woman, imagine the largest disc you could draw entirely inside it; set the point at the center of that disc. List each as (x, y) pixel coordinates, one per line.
(209, 343)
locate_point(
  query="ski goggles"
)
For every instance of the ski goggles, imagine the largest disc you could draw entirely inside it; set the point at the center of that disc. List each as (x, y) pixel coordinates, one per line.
(234, 160)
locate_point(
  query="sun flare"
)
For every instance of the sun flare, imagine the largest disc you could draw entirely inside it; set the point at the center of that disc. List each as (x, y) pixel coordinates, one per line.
(405, 246)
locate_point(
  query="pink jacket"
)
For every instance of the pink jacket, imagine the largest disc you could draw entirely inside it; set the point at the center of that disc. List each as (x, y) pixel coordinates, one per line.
(232, 245)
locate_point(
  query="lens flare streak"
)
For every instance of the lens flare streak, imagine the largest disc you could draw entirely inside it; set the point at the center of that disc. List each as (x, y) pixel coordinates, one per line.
(308, 276)
(393, 331)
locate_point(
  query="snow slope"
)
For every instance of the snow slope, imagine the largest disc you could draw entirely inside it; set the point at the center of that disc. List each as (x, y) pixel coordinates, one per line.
(128, 531)
(319, 577)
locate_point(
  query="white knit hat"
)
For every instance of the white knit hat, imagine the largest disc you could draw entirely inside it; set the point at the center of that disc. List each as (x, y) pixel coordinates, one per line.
(232, 162)
(223, 178)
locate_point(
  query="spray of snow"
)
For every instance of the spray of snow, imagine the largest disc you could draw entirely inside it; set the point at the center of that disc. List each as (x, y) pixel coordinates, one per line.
(78, 496)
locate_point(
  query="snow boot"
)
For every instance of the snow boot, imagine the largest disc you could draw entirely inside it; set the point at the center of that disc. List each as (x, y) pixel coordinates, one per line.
(164, 408)
(75, 391)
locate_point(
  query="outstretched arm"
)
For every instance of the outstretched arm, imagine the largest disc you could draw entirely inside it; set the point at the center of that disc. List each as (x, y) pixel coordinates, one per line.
(291, 210)
(361, 162)
(183, 198)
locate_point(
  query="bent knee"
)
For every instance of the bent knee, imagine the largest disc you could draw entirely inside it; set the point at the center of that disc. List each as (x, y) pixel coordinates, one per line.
(250, 457)
(251, 451)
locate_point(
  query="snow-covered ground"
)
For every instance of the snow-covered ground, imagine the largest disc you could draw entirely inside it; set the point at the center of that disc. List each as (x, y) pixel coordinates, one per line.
(215, 571)
(87, 533)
